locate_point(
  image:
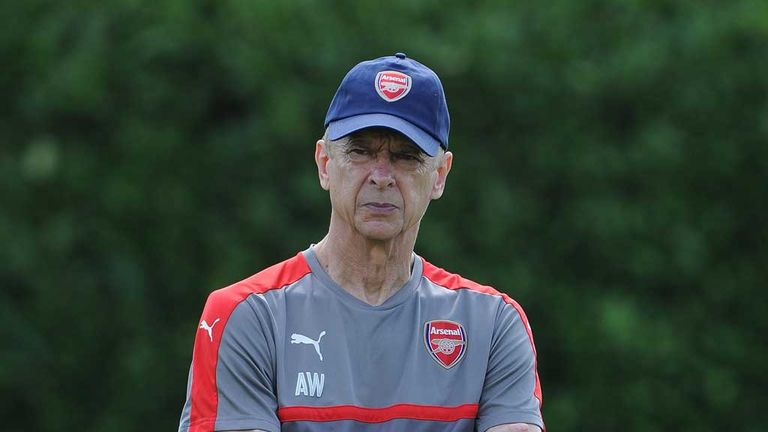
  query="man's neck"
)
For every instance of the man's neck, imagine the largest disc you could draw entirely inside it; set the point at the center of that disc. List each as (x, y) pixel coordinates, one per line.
(372, 271)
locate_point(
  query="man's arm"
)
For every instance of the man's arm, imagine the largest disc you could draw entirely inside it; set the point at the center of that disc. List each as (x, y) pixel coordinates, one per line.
(511, 396)
(232, 369)
(517, 427)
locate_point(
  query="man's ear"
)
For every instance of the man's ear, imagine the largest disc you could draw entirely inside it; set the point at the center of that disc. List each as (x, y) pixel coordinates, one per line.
(321, 159)
(443, 168)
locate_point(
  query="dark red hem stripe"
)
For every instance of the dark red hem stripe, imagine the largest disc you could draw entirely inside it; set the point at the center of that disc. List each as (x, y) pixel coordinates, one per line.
(220, 304)
(377, 415)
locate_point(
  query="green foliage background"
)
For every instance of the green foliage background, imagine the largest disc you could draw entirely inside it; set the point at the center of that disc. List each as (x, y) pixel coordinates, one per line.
(611, 170)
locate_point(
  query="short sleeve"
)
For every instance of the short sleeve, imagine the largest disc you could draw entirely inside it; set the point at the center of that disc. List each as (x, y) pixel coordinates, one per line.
(232, 381)
(511, 391)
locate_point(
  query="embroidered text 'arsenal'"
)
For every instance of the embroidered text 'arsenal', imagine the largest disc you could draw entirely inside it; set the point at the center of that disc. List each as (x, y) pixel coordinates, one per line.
(392, 85)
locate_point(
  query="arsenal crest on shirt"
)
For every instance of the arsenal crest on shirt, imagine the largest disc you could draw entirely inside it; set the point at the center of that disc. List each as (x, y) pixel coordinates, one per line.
(446, 341)
(392, 85)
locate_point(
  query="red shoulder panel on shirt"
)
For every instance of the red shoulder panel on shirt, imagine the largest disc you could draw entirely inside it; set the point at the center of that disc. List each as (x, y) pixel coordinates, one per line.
(454, 281)
(218, 308)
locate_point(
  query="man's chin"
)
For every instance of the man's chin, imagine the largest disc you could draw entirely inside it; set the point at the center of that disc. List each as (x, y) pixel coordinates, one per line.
(378, 231)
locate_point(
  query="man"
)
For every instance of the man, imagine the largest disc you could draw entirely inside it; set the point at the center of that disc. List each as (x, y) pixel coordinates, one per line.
(358, 333)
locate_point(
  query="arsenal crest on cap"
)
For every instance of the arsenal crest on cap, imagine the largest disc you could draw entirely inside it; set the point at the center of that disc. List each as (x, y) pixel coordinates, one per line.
(446, 341)
(392, 85)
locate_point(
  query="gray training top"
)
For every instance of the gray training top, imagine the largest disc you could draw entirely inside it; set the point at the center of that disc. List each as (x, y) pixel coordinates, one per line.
(289, 350)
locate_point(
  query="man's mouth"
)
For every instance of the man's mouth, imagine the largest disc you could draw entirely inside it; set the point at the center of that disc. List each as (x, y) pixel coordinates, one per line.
(380, 206)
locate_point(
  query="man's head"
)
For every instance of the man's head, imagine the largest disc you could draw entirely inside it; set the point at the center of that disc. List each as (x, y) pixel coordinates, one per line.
(379, 181)
(383, 157)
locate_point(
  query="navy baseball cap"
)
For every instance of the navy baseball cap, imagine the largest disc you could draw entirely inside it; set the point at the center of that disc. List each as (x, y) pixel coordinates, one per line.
(394, 92)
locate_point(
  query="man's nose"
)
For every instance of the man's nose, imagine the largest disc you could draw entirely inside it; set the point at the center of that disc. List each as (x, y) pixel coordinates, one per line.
(382, 174)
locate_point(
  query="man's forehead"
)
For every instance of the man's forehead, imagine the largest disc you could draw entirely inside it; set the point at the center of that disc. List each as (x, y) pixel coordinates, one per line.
(381, 135)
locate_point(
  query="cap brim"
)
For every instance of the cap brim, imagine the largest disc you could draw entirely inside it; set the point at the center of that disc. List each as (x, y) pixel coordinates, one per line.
(345, 126)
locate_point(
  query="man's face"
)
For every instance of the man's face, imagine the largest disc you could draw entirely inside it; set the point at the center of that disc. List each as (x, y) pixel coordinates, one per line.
(380, 183)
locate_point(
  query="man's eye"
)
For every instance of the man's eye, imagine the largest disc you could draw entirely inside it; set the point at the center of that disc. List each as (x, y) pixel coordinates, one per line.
(407, 157)
(357, 151)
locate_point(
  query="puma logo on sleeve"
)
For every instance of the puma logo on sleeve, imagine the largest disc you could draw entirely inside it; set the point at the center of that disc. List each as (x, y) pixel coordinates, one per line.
(209, 328)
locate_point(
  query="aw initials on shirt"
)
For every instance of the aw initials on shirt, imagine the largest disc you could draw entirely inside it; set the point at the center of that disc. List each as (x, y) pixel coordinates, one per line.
(310, 384)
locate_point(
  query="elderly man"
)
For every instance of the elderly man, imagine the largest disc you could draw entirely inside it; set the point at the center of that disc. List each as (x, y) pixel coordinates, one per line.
(358, 333)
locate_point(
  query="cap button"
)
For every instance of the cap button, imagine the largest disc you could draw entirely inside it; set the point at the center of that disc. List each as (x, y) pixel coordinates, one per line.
(400, 55)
